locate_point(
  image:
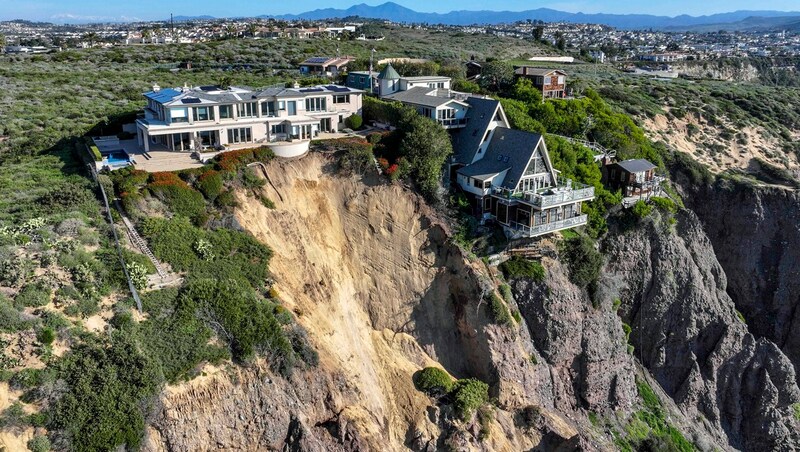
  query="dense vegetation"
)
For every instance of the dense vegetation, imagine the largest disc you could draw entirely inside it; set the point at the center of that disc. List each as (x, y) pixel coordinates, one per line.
(466, 396)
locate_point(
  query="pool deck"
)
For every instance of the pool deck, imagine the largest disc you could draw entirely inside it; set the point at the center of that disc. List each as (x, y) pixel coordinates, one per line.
(158, 159)
(162, 159)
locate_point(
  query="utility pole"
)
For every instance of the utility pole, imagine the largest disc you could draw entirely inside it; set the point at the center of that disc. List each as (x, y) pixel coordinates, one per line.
(172, 25)
(371, 56)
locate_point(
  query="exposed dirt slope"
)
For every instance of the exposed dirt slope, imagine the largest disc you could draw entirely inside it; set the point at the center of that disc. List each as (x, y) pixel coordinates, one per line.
(372, 277)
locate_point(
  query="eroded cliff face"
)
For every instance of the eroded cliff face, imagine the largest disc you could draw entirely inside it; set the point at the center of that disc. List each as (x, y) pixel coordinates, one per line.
(755, 232)
(368, 270)
(685, 330)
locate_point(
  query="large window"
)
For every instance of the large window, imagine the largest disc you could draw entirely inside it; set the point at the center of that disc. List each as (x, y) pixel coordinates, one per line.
(447, 113)
(269, 109)
(278, 128)
(341, 99)
(226, 112)
(243, 135)
(246, 110)
(203, 113)
(179, 114)
(316, 104)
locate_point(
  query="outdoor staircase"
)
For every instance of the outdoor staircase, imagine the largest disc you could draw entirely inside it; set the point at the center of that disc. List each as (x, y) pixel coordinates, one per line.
(140, 243)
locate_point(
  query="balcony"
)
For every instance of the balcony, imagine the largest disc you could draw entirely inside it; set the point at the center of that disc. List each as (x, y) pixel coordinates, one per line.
(557, 196)
(519, 230)
(452, 123)
(548, 197)
(651, 183)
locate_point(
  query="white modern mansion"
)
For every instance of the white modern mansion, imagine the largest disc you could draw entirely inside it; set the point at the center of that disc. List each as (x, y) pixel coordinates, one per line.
(210, 118)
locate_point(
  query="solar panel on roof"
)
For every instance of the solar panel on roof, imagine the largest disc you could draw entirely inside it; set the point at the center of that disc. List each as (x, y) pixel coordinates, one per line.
(338, 89)
(209, 88)
(311, 90)
(191, 100)
(317, 60)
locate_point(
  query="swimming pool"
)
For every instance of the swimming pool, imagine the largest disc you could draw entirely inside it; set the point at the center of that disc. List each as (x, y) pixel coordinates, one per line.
(117, 158)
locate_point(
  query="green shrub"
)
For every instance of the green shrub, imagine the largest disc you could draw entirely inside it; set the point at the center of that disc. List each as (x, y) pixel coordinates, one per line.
(641, 209)
(266, 202)
(519, 267)
(46, 336)
(138, 274)
(248, 322)
(210, 184)
(39, 443)
(227, 199)
(796, 411)
(177, 195)
(108, 385)
(665, 205)
(251, 180)
(354, 122)
(357, 157)
(34, 294)
(583, 260)
(468, 395)
(433, 381)
(10, 318)
(499, 310)
(174, 335)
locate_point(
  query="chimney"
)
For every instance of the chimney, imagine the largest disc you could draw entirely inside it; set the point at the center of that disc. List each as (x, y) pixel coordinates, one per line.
(156, 88)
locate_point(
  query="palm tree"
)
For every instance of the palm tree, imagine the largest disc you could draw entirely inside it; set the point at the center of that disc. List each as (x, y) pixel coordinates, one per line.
(92, 37)
(230, 30)
(147, 34)
(252, 29)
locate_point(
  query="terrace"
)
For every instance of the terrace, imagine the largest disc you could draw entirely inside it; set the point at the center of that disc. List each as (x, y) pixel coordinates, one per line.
(548, 197)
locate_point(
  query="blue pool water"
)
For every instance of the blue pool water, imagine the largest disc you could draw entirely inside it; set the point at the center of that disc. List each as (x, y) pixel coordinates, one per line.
(116, 158)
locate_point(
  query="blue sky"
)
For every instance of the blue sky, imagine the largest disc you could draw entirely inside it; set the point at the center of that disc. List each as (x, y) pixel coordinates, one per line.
(97, 10)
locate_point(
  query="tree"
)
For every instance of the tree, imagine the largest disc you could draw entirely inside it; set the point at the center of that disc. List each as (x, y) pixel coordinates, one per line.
(538, 33)
(497, 76)
(426, 145)
(2, 41)
(230, 30)
(92, 37)
(252, 29)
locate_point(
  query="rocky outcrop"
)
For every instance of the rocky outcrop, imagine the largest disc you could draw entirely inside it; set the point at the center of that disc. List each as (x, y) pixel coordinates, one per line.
(755, 232)
(735, 71)
(685, 330)
(583, 347)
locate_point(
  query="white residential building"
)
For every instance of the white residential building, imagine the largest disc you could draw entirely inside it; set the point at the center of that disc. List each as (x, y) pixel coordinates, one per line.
(213, 118)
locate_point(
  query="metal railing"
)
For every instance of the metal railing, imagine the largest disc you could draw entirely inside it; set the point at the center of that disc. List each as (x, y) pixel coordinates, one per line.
(533, 231)
(559, 197)
(454, 122)
(548, 197)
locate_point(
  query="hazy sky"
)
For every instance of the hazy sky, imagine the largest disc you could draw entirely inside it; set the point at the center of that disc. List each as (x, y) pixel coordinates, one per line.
(98, 10)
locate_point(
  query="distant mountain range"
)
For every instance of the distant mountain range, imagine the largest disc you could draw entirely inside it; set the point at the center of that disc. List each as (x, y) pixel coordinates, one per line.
(398, 13)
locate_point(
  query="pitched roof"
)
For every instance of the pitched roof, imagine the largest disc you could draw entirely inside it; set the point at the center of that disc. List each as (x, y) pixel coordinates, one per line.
(636, 165)
(530, 70)
(421, 95)
(468, 139)
(516, 147)
(388, 73)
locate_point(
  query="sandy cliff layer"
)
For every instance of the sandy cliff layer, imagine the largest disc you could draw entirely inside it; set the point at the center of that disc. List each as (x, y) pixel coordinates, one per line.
(371, 275)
